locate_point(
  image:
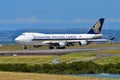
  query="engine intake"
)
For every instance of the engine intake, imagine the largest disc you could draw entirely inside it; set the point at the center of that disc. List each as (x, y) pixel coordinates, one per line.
(83, 42)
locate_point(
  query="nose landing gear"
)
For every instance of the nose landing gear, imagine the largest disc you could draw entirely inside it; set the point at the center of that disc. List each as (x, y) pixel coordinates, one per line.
(24, 47)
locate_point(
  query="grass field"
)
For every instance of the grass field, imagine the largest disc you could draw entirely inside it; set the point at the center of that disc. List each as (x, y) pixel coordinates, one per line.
(35, 76)
(37, 59)
(76, 56)
(46, 59)
(40, 59)
(107, 60)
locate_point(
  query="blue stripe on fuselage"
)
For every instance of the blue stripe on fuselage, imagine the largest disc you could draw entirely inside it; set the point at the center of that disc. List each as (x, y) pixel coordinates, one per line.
(61, 39)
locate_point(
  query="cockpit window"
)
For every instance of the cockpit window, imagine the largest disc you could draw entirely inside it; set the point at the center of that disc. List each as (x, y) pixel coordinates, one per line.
(23, 35)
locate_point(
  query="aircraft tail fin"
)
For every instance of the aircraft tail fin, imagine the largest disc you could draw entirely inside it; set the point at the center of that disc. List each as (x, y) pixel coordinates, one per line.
(96, 29)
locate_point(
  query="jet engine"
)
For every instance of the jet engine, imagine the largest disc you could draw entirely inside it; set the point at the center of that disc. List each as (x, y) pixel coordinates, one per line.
(61, 45)
(83, 42)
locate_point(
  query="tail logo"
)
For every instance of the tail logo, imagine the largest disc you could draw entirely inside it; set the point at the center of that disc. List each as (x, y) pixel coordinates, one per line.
(96, 28)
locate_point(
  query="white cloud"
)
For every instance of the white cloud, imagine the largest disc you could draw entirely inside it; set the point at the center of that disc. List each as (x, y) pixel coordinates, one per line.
(3, 21)
(113, 20)
(34, 20)
(19, 21)
(23, 20)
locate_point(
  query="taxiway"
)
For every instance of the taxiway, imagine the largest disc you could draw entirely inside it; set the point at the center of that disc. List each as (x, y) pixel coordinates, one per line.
(44, 52)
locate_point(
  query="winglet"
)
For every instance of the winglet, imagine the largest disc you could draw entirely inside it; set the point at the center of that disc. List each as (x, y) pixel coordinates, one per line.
(96, 29)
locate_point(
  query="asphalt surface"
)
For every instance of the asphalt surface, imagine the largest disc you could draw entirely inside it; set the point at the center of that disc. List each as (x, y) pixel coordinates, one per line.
(44, 52)
(55, 51)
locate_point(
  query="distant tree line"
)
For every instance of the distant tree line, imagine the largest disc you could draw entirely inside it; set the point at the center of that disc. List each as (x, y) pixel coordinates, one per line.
(63, 68)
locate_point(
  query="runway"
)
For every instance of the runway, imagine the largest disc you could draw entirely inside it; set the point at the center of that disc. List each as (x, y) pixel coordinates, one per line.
(44, 52)
(55, 51)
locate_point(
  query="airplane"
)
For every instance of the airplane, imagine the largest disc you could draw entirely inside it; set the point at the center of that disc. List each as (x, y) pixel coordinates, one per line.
(60, 41)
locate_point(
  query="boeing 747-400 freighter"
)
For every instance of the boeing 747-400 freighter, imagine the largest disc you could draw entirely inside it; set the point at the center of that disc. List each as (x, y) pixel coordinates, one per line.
(61, 40)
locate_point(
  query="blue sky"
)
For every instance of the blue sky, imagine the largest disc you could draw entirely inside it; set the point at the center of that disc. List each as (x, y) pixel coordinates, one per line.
(58, 14)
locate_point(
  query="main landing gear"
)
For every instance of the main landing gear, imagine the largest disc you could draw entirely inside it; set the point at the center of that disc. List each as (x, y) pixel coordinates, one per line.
(24, 47)
(51, 47)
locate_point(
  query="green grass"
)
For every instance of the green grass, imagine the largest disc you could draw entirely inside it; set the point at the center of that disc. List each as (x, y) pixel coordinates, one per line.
(25, 59)
(107, 60)
(46, 59)
(71, 57)
(40, 59)
(84, 56)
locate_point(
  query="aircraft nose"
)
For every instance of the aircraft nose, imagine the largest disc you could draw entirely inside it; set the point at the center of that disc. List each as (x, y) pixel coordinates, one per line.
(18, 39)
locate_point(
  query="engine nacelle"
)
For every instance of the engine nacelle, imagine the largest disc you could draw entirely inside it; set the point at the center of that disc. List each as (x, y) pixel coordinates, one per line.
(62, 44)
(83, 42)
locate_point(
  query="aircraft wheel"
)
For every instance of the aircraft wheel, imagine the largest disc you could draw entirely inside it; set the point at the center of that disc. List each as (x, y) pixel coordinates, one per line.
(24, 47)
(51, 47)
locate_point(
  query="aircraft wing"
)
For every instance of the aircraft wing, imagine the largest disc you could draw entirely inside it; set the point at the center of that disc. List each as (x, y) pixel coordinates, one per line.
(98, 40)
(72, 42)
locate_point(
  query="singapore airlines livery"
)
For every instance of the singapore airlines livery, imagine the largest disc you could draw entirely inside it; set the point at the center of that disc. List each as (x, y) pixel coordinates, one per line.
(61, 40)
